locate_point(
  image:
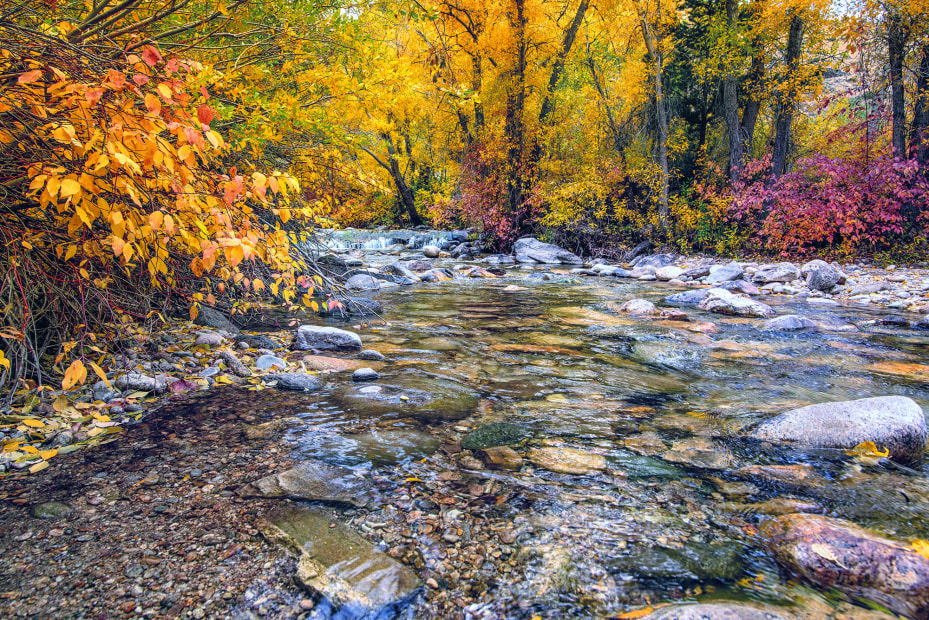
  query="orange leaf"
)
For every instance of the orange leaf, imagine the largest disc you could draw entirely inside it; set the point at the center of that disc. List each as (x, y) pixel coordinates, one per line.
(152, 103)
(205, 114)
(234, 254)
(29, 76)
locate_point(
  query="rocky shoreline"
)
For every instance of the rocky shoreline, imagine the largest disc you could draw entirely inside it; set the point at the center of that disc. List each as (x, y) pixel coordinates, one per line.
(221, 489)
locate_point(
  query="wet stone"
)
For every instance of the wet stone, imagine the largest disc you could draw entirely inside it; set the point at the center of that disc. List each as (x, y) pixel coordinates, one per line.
(494, 435)
(354, 579)
(720, 610)
(788, 322)
(313, 481)
(325, 339)
(365, 374)
(502, 457)
(371, 355)
(267, 362)
(567, 460)
(298, 381)
(50, 510)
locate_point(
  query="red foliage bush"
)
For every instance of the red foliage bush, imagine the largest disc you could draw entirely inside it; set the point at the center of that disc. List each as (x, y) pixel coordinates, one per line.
(854, 204)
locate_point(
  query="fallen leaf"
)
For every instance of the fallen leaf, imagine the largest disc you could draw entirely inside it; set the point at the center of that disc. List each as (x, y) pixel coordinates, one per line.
(38, 467)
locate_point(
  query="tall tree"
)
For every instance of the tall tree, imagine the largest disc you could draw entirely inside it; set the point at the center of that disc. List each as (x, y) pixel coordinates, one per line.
(788, 95)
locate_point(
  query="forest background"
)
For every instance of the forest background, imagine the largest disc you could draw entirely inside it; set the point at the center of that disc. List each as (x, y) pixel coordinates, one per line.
(158, 155)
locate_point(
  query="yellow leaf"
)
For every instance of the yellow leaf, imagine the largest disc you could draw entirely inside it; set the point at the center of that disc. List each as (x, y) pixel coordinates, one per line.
(38, 467)
(155, 219)
(70, 187)
(47, 454)
(921, 547)
(72, 250)
(636, 613)
(165, 91)
(3, 361)
(34, 423)
(234, 254)
(95, 431)
(76, 374)
(99, 417)
(867, 448)
(99, 372)
(29, 450)
(11, 447)
(194, 311)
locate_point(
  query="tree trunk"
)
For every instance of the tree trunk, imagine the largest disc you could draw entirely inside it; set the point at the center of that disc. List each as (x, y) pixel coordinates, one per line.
(514, 126)
(476, 83)
(753, 105)
(654, 54)
(558, 67)
(788, 98)
(731, 105)
(919, 135)
(896, 43)
(404, 191)
(618, 142)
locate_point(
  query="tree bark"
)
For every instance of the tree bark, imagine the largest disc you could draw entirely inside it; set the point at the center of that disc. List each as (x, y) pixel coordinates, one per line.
(654, 54)
(753, 104)
(896, 43)
(731, 105)
(919, 134)
(558, 68)
(618, 142)
(788, 98)
(403, 189)
(514, 125)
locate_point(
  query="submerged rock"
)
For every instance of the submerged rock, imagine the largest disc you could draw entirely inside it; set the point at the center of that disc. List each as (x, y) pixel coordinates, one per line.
(362, 282)
(789, 322)
(837, 554)
(502, 457)
(640, 307)
(531, 250)
(325, 339)
(432, 399)
(371, 355)
(299, 381)
(721, 301)
(312, 481)
(567, 460)
(896, 423)
(50, 510)
(722, 610)
(143, 383)
(493, 435)
(353, 578)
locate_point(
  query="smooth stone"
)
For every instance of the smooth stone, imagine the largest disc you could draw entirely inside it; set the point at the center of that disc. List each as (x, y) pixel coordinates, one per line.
(325, 339)
(50, 510)
(566, 460)
(362, 282)
(428, 398)
(371, 355)
(209, 371)
(896, 423)
(211, 317)
(696, 272)
(724, 273)
(721, 301)
(639, 306)
(688, 298)
(141, 383)
(788, 322)
(210, 339)
(431, 251)
(267, 362)
(699, 452)
(299, 381)
(721, 610)
(397, 269)
(668, 273)
(234, 365)
(436, 275)
(418, 266)
(531, 250)
(353, 578)
(494, 435)
(498, 259)
(776, 272)
(616, 272)
(833, 553)
(333, 364)
(502, 457)
(654, 261)
(867, 289)
(740, 286)
(365, 374)
(821, 276)
(312, 480)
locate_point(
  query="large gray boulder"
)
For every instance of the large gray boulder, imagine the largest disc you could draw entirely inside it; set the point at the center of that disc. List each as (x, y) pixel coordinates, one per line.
(325, 339)
(721, 301)
(655, 261)
(211, 317)
(833, 553)
(688, 298)
(821, 276)
(362, 282)
(724, 273)
(776, 272)
(894, 423)
(531, 250)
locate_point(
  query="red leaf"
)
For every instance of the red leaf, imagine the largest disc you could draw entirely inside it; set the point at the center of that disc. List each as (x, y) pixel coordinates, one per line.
(204, 92)
(116, 79)
(205, 114)
(29, 76)
(151, 56)
(140, 80)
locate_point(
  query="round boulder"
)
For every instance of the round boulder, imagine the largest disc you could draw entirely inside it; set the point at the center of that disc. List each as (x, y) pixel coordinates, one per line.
(895, 423)
(431, 251)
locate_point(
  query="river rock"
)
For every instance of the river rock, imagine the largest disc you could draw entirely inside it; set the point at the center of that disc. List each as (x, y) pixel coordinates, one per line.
(922, 323)
(436, 275)
(833, 553)
(332, 266)
(502, 457)
(433, 398)
(136, 381)
(721, 301)
(740, 286)
(724, 273)
(615, 271)
(821, 276)
(688, 298)
(234, 365)
(567, 460)
(418, 266)
(776, 272)
(722, 610)
(896, 423)
(362, 282)
(430, 251)
(299, 381)
(493, 435)
(641, 307)
(209, 339)
(668, 273)
(325, 339)
(257, 341)
(788, 322)
(332, 364)
(353, 578)
(397, 269)
(531, 250)
(312, 480)
(654, 261)
(871, 287)
(50, 510)
(267, 362)
(365, 374)
(371, 355)
(211, 317)
(699, 452)
(696, 272)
